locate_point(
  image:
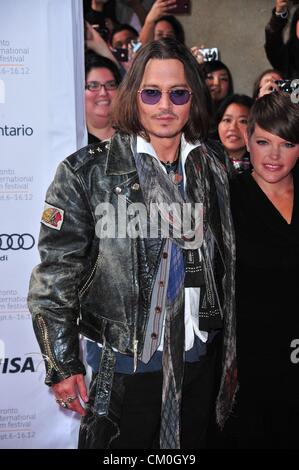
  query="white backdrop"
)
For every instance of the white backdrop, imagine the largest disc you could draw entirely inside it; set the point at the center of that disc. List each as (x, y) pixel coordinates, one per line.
(41, 122)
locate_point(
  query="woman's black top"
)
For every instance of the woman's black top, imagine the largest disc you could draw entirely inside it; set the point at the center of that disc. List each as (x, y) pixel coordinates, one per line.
(267, 307)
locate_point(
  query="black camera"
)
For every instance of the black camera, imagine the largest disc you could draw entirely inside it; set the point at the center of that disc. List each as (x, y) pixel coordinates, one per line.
(287, 85)
(121, 54)
(182, 6)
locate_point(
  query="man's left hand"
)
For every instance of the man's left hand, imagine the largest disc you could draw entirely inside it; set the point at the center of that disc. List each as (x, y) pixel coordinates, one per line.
(67, 393)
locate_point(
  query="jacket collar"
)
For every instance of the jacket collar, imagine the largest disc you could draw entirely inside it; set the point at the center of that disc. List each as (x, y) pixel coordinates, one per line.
(120, 160)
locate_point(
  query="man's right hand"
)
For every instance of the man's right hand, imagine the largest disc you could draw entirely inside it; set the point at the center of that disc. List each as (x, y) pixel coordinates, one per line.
(281, 6)
(67, 393)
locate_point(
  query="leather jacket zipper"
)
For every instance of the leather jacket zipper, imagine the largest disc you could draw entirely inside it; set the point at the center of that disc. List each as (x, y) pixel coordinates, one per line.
(48, 356)
(90, 277)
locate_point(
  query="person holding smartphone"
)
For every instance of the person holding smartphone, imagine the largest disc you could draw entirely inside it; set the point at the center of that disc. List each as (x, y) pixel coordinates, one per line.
(121, 44)
(160, 23)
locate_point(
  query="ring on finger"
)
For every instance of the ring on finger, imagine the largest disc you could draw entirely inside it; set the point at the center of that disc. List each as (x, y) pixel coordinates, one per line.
(61, 402)
(70, 399)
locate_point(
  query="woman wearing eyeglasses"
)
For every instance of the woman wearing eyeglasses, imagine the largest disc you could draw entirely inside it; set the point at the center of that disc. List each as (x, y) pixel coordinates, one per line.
(101, 87)
(102, 80)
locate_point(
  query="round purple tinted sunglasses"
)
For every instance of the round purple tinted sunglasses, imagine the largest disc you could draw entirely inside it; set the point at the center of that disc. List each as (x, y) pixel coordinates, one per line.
(152, 96)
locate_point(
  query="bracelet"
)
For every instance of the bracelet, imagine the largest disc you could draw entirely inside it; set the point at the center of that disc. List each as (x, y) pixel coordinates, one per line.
(283, 14)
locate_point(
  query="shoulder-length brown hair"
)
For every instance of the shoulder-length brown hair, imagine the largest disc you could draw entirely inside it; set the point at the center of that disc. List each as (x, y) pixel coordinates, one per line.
(125, 114)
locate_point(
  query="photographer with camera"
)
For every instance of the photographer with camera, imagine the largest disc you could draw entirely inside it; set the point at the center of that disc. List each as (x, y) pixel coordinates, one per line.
(101, 14)
(124, 40)
(266, 83)
(96, 43)
(283, 56)
(124, 43)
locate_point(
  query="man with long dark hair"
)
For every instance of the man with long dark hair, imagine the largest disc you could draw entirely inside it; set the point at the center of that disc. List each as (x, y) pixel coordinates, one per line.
(139, 258)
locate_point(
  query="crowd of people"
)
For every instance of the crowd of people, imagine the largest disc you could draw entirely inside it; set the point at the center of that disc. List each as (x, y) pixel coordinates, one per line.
(156, 23)
(185, 329)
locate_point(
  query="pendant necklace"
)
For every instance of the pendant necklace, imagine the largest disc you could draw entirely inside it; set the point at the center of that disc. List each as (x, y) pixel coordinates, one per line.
(172, 170)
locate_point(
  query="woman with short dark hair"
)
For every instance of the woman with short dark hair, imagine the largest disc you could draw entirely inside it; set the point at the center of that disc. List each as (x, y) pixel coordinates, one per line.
(265, 206)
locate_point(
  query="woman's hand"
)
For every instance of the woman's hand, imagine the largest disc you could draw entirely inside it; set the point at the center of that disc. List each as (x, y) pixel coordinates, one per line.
(159, 8)
(281, 6)
(268, 87)
(198, 54)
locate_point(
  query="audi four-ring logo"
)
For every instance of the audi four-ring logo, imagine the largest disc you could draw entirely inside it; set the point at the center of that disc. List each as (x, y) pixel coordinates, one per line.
(16, 241)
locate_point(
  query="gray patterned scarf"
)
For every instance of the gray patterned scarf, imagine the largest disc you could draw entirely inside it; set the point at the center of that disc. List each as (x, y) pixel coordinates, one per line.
(202, 168)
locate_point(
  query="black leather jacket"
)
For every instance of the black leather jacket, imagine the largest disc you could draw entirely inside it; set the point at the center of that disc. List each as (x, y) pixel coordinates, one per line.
(100, 288)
